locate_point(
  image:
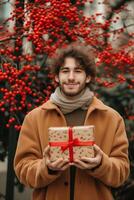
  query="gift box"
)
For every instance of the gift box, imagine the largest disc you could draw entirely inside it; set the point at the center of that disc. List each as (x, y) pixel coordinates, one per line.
(71, 142)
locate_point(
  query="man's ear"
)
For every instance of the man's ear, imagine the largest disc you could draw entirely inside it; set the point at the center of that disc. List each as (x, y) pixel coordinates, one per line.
(56, 78)
(88, 79)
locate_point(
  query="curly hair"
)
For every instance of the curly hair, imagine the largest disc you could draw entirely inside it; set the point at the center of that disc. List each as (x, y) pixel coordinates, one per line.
(82, 54)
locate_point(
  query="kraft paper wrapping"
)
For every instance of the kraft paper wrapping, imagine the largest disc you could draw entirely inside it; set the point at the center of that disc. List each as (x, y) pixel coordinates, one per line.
(61, 134)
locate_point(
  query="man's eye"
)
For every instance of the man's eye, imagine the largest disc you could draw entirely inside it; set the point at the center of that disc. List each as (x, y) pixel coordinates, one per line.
(64, 71)
(78, 70)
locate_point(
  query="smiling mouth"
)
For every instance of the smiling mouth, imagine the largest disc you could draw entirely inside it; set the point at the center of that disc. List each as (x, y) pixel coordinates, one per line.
(71, 83)
(71, 86)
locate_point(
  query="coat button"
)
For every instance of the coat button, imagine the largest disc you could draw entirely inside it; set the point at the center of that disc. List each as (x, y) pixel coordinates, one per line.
(65, 183)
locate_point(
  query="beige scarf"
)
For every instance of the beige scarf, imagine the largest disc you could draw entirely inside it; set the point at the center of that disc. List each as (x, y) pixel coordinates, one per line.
(81, 100)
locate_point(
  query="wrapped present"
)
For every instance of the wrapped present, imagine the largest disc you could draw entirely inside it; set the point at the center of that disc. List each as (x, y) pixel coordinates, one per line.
(71, 142)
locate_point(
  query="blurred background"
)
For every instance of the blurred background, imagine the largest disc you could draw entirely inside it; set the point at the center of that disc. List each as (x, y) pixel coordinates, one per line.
(31, 31)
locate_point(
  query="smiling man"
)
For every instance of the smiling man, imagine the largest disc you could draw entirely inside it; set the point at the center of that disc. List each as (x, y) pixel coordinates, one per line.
(72, 77)
(73, 104)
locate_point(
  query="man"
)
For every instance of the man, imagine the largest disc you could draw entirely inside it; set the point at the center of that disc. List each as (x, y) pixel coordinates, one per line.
(73, 103)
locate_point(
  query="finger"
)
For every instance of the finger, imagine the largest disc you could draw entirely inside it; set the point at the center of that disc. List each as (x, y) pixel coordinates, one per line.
(61, 164)
(81, 163)
(71, 163)
(99, 153)
(87, 166)
(78, 166)
(97, 149)
(46, 150)
(90, 160)
(56, 162)
(65, 167)
(47, 161)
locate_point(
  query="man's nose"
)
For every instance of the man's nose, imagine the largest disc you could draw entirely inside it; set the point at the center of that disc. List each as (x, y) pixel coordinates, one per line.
(71, 75)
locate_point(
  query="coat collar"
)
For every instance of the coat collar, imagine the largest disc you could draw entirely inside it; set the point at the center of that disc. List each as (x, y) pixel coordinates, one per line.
(96, 104)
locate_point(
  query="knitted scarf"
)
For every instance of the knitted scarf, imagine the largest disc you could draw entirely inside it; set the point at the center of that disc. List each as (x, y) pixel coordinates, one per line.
(67, 105)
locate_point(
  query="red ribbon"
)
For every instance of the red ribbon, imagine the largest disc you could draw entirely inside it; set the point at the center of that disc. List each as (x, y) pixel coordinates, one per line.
(71, 143)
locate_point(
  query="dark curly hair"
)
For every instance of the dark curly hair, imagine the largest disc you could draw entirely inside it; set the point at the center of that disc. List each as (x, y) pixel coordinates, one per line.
(82, 54)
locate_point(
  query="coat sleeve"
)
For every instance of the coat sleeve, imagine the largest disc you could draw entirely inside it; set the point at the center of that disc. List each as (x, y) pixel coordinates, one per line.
(114, 169)
(29, 163)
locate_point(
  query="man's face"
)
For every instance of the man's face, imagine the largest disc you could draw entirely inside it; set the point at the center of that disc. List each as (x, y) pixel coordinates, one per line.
(72, 78)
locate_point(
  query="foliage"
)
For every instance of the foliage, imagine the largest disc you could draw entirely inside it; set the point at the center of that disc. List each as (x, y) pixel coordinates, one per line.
(121, 99)
(46, 26)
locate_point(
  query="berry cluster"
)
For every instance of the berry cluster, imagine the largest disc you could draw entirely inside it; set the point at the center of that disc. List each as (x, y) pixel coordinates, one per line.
(48, 25)
(18, 92)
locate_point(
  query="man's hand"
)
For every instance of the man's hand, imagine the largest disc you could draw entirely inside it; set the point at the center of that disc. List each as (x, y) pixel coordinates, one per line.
(58, 165)
(89, 163)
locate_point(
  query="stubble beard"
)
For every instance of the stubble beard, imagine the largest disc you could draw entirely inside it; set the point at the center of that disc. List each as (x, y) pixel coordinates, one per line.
(71, 94)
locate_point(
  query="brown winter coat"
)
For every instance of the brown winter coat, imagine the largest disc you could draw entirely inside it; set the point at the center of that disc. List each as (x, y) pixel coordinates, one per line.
(95, 184)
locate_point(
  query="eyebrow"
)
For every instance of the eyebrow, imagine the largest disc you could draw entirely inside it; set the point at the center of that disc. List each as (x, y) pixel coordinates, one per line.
(77, 67)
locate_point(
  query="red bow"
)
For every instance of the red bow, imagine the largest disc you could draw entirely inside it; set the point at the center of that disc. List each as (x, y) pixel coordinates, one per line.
(71, 143)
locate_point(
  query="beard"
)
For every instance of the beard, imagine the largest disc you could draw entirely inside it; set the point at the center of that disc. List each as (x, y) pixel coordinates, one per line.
(70, 91)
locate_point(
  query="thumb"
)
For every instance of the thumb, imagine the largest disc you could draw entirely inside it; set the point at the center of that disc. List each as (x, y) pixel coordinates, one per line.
(98, 150)
(46, 151)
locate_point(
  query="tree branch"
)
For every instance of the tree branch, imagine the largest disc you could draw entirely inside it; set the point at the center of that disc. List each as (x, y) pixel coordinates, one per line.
(116, 7)
(1, 3)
